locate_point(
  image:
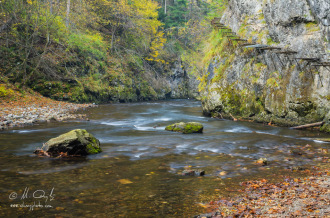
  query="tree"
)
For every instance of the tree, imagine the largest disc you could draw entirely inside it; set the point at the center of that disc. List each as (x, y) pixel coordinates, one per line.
(67, 19)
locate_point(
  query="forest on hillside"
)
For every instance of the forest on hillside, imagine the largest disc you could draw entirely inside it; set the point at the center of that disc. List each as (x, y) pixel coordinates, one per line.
(99, 50)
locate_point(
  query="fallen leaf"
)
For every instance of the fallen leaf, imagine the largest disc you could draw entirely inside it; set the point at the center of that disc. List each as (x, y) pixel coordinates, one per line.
(223, 173)
(125, 181)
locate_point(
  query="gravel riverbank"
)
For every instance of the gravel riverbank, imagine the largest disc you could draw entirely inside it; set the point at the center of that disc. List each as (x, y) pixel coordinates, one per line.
(36, 108)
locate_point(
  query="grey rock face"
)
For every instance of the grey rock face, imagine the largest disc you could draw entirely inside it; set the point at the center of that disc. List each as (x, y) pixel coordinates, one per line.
(264, 85)
(181, 83)
(321, 9)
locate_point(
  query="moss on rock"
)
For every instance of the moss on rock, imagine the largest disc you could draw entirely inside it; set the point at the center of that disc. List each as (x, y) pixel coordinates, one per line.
(186, 128)
(75, 142)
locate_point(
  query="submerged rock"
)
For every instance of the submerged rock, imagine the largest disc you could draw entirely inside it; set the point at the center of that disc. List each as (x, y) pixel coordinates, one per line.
(262, 161)
(186, 128)
(76, 142)
(193, 173)
(296, 168)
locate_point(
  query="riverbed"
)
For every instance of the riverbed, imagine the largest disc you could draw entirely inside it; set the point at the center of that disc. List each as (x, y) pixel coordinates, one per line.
(139, 172)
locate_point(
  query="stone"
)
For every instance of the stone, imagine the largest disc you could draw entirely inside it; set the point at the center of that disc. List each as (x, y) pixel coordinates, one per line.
(262, 161)
(40, 120)
(296, 168)
(297, 152)
(209, 215)
(76, 142)
(186, 128)
(193, 173)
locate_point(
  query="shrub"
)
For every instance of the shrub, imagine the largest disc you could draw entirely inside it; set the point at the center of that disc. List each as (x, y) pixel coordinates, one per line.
(88, 45)
(5, 92)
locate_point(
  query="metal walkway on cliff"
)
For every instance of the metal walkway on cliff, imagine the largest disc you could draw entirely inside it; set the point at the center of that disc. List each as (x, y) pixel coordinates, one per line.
(275, 51)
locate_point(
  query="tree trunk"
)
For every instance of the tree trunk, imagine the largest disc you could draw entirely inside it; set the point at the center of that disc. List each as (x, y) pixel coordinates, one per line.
(308, 125)
(165, 7)
(67, 13)
(51, 6)
(113, 30)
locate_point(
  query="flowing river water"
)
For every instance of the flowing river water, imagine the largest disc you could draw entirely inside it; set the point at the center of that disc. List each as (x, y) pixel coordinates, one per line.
(138, 174)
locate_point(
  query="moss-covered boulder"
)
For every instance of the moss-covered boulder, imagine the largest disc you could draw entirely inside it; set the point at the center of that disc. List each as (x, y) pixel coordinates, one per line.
(186, 128)
(76, 142)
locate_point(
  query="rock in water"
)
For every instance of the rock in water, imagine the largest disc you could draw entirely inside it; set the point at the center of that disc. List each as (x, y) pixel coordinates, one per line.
(75, 142)
(186, 128)
(193, 173)
(262, 161)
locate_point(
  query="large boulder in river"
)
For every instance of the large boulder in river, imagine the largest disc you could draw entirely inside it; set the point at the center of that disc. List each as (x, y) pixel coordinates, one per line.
(186, 128)
(75, 142)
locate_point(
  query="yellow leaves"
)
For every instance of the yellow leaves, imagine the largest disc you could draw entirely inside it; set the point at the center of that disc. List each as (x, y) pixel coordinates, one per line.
(5, 92)
(78, 201)
(124, 181)
(29, 2)
(146, 8)
(149, 59)
(324, 151)
(149, 174)
(203, 205)
(122, 7)
(156, 46)
(203, 82)
(139, 19)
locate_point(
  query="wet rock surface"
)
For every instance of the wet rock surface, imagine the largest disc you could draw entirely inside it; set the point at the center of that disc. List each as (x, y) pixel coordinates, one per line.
(76, 142)
(193, 173)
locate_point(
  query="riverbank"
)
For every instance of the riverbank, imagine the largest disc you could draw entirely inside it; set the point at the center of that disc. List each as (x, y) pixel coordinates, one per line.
(20, 108)
(302, 197)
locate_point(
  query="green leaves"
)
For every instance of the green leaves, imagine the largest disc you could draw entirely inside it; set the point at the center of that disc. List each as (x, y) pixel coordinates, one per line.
(88, 45)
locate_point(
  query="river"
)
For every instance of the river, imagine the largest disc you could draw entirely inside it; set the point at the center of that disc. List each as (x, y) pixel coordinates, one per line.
(138, 173)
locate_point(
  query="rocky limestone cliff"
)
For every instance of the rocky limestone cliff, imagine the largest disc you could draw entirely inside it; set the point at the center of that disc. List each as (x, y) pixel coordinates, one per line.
(267, 85)
(181, 84)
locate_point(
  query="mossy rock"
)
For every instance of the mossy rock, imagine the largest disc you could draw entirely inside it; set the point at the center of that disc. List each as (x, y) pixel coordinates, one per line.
(325, 128)
(75, 142)
(186, 128)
